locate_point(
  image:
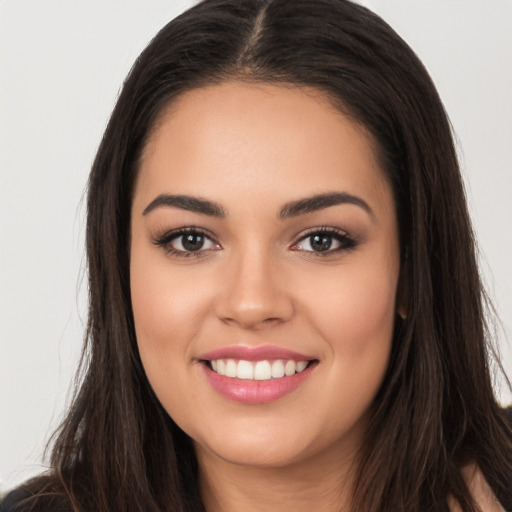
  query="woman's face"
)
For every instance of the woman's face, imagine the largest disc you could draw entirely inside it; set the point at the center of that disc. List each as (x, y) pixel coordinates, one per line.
(264, 270)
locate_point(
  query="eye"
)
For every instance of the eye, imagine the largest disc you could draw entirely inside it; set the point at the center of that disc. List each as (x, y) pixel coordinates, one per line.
(325, 241)
(186, 242)
(191, 242)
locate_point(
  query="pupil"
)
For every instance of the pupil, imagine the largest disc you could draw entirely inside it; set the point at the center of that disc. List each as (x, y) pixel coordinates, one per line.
(321, 242)
(193, 242)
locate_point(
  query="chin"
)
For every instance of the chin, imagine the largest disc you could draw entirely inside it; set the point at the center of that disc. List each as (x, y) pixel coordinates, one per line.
(255, 454)
(270, 443)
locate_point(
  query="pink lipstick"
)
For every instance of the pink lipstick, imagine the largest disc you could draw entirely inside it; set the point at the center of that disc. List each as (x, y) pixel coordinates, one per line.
(256, 375)
(254, 353)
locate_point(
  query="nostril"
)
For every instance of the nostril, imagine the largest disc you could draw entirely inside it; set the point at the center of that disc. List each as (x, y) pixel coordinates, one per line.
(253, 299)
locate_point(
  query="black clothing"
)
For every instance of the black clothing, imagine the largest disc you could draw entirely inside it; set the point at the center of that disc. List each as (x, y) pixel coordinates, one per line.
(13, 502)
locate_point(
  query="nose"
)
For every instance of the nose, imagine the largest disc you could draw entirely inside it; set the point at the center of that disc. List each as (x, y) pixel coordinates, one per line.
(253, 293)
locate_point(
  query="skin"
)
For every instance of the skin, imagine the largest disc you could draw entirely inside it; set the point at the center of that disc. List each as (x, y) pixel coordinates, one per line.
(253, 149)
(480, 489)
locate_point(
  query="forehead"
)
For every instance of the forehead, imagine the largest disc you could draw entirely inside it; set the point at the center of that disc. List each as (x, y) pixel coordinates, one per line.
(259, 139)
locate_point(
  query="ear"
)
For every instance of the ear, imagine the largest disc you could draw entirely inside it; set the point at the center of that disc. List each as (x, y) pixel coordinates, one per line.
(402, 293)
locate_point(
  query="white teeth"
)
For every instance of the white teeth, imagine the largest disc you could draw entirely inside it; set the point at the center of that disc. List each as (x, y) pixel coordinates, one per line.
(245, 370)
(262, 370)
(258, 370)
(221, 367)
(289, 368)
(301, 365)
(231, 368)
(277, 369)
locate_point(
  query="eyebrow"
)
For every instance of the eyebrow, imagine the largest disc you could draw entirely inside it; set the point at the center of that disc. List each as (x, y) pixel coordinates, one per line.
(291, 209)
(321, 201)
(190, 203)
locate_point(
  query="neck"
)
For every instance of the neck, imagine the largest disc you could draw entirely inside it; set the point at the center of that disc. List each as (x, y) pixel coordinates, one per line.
(322, 482)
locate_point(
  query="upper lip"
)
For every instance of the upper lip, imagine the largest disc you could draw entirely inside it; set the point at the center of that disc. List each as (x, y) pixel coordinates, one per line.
(254, 353)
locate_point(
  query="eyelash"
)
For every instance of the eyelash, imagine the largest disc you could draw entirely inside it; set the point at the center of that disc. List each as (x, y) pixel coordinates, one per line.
(347, 243)
(166, 240)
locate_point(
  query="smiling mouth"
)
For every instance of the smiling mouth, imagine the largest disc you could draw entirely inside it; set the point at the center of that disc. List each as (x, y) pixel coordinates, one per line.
(257, 370)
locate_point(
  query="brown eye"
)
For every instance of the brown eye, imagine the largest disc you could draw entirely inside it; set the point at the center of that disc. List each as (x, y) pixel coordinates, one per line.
(191, 242)
(185, 242)
(320, 243)
(324, 242)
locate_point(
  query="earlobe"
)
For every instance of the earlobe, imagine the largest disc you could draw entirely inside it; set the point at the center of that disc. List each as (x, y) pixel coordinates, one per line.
(401, 294)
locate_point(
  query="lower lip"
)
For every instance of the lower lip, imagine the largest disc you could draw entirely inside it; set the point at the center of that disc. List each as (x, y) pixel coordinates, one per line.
(256, 391)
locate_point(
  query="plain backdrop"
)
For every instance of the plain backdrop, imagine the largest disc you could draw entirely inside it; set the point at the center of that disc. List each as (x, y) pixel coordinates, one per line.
(62, 63)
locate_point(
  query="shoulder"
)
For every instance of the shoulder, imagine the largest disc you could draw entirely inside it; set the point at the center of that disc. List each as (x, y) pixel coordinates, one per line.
(508, 414)
(38, 495)
(14, 500)
(481, 490)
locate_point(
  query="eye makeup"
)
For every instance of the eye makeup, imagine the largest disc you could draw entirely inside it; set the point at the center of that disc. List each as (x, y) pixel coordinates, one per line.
(192, 241)
(186, 242)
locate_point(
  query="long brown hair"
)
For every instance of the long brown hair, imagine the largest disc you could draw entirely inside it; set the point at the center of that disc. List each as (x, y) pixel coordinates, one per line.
(118, 449)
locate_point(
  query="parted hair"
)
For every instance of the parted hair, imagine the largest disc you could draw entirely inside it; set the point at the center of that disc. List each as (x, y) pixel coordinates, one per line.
(435, 412)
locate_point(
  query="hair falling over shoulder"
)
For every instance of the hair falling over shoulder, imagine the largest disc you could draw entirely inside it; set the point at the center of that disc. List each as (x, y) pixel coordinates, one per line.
(436, 411)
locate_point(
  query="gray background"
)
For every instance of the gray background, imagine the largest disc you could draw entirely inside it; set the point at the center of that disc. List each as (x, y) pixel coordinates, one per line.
(61, 67)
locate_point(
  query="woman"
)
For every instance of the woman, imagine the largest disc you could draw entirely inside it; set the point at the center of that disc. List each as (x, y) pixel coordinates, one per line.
(285, 307)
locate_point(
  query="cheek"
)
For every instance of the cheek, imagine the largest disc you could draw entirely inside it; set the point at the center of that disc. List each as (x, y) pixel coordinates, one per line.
(166, 304)
(355, 313)
(365, 308)
(165, 310)
(356, 319)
